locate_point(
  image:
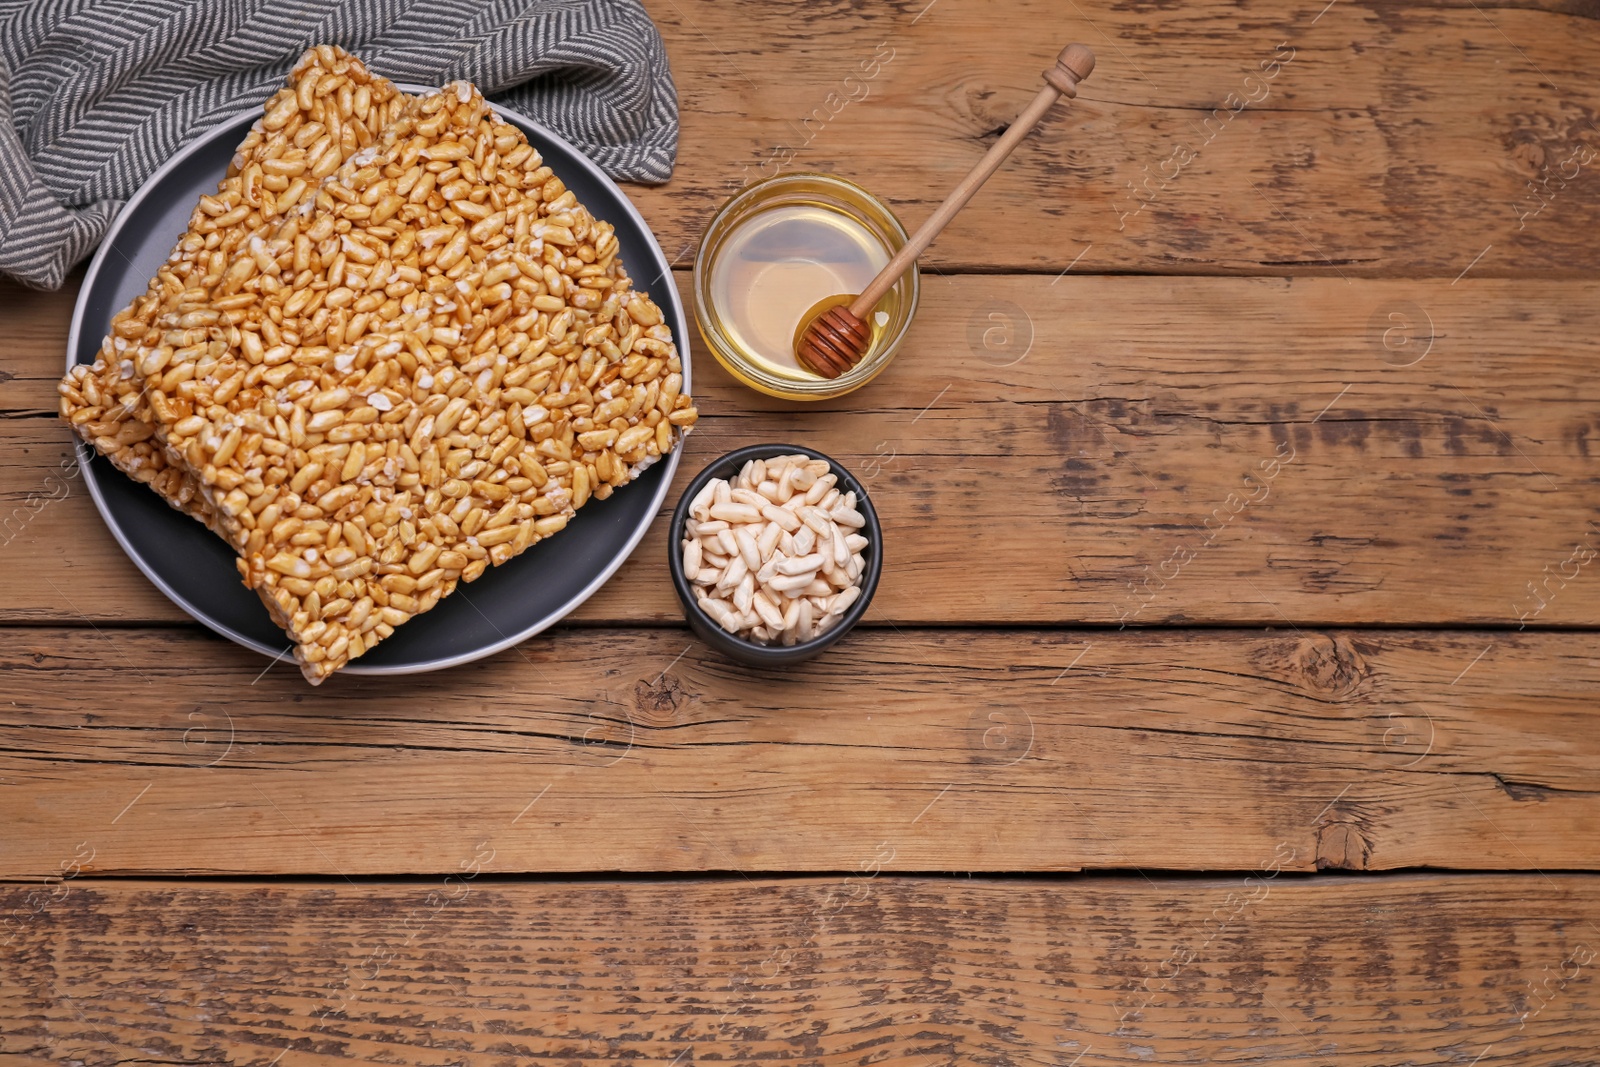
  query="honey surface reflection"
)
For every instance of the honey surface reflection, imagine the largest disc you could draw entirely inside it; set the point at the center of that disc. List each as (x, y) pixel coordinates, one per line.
(777, 266)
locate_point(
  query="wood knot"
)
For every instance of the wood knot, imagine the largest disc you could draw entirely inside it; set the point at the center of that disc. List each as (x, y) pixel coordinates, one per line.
(1528, 159)
(1329, 666)
(983, 113)
(1342, 847)
(658, 702)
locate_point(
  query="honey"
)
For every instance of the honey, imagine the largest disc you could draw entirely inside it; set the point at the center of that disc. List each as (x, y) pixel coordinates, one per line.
(780, 268)
(780, 253)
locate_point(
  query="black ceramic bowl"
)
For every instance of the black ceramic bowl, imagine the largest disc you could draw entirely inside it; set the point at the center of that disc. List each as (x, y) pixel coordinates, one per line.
(751, 652)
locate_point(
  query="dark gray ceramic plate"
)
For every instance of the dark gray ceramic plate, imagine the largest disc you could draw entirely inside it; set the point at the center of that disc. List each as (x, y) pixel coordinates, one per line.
(196, 569)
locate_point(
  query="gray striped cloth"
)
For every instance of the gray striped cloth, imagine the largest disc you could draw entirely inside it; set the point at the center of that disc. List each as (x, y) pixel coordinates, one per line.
(96, 94)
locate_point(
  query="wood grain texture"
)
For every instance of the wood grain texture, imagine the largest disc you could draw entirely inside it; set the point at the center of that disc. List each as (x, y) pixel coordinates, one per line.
(1104, 450)
(1496, 971)
(171, 751)
(1383, 138)
(1065, 447)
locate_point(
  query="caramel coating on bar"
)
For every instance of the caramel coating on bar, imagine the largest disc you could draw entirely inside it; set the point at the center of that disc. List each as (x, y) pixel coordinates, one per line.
(390, 351)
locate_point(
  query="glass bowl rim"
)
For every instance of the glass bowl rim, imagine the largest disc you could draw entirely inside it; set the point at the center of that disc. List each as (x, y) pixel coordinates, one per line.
(737, 207)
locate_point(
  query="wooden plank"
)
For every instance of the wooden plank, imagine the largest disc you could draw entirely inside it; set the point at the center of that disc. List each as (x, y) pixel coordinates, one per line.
(617, 750)
(1145, 450)
(1390, 139)
(1267, 969)
(1383, 138)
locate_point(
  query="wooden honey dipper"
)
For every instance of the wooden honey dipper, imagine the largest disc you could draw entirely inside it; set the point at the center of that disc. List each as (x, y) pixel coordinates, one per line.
(837, 339)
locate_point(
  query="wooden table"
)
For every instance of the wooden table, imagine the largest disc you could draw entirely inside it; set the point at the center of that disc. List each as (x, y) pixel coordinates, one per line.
(1230, 695)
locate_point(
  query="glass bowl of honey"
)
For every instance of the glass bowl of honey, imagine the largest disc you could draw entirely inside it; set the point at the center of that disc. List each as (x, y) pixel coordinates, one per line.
(777, 255)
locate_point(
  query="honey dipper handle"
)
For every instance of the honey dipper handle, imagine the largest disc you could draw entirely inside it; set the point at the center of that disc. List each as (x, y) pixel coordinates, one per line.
(1072, 66)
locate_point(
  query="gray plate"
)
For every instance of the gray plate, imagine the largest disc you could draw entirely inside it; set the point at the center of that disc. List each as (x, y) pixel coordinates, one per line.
(196, 568)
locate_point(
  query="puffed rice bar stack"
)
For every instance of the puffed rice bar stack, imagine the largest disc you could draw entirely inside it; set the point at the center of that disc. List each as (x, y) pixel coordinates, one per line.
(391, 350)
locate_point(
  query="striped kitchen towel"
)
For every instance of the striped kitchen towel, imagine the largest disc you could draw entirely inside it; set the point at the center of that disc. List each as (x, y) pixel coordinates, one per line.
(96, 94)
